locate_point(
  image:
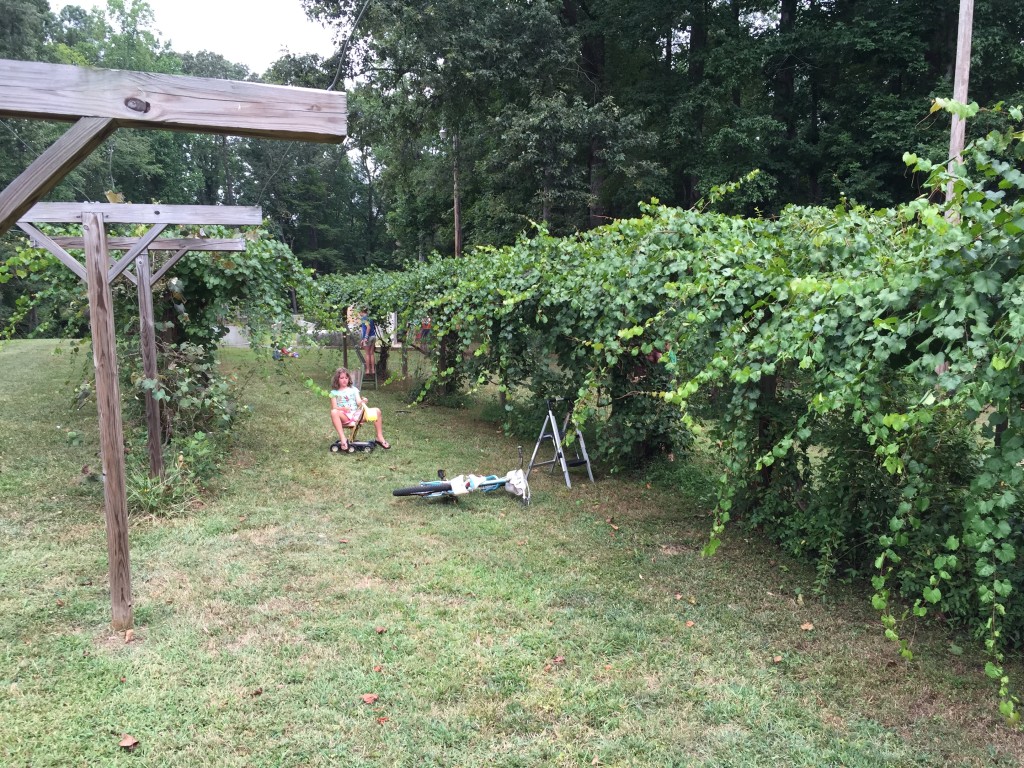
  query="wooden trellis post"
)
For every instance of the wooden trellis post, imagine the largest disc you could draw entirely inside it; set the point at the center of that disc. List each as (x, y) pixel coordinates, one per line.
(98, 101)
(108, 403)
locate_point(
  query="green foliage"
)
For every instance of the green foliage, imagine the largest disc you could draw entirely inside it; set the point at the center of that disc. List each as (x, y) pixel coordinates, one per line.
(204, 291)
(857, 370)
(193, 459)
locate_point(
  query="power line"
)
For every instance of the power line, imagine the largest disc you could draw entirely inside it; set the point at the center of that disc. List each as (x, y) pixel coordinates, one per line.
(344, 45)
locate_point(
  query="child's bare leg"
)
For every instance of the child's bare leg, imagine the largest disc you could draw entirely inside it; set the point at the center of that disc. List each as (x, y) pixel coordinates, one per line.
(339, 425)
(379, 425)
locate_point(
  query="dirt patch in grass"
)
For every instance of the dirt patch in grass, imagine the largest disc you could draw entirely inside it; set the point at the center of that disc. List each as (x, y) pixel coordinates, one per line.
(677, 548)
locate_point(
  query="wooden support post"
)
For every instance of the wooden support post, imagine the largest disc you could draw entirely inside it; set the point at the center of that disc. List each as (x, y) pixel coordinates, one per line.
(961, 77)
(108, 400)
(147, 343)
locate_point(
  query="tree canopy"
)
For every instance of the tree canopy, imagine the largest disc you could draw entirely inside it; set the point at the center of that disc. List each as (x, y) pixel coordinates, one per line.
(470, 121)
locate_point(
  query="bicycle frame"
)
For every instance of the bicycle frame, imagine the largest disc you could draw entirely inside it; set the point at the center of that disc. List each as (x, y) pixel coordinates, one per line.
(514, 482)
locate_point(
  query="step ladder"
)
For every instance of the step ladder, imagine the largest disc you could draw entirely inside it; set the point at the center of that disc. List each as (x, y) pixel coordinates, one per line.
(373, 376)
(551, 432)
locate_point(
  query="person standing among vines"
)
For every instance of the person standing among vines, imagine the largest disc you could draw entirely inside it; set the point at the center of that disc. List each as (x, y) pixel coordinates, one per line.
(368, 340)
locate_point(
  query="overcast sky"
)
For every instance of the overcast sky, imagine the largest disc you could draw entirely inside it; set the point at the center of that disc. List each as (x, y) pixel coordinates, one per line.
(251, 32)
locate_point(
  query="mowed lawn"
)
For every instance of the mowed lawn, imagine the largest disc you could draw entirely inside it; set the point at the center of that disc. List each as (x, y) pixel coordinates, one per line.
(583, 630)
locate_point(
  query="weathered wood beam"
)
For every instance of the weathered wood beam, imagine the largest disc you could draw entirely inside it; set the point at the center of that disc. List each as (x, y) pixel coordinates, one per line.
(171, 102)
(160, 244)
(108, 402)
(135, 250)
(171, 261)
(115, 213)
(41, 240)
(47, 170)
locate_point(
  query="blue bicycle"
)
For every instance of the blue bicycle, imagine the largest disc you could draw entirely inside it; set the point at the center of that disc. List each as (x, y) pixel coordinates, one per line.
(450, 488)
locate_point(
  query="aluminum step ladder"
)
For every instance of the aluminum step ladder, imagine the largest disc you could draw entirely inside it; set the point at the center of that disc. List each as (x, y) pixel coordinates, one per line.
(551, 432)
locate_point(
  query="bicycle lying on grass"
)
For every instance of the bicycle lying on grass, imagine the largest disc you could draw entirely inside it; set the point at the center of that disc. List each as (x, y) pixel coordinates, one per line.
(444, 487)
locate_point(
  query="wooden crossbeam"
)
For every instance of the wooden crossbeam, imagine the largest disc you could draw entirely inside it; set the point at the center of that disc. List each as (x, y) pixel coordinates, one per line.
(171, 102)
(121, 213)
(160, 244)
(47, 170)
(135, 250)
(42, 240)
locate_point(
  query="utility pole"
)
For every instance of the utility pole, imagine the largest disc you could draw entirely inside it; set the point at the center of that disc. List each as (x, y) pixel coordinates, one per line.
(961, 76)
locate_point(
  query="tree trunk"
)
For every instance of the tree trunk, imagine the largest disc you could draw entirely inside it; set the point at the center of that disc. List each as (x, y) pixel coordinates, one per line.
(456, 195)
(592, 67)
(785, 73)
(695, 79)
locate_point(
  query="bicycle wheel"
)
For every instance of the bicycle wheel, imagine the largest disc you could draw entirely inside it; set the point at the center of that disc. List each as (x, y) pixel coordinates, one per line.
(423, 489)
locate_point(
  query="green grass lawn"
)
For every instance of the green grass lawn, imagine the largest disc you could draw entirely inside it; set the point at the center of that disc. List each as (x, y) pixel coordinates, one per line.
(586, 629)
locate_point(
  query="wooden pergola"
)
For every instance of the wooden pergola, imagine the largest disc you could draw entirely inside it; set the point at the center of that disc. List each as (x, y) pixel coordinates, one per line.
(138, 252)
(98, 102)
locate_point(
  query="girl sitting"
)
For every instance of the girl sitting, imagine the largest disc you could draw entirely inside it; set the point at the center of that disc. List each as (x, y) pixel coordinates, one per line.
(346, 405)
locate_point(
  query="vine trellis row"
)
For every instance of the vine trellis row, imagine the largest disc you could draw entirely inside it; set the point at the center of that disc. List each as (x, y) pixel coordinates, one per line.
(859, 371)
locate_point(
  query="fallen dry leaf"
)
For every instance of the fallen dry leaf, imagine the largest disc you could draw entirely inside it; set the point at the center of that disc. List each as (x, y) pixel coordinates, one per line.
(807, 626)
(678, 596)
(128, 742)
(381, 630)
(257, 692)
(558, 660)
(60, 603)
(378, 668)
(129, 635)
(383, 720)
(548, 667)
(690, 623)
(343, 541)
(776, 659)
(369, 698)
